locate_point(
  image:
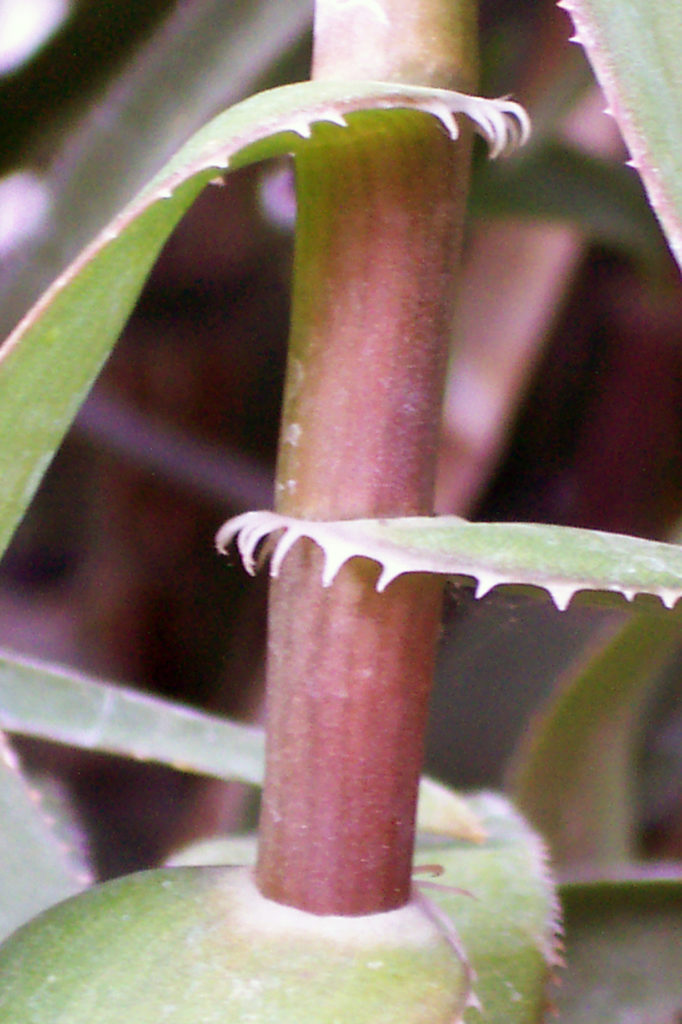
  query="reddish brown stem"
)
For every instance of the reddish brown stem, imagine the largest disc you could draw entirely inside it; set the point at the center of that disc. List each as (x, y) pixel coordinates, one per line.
(347, 722)
(349, 670)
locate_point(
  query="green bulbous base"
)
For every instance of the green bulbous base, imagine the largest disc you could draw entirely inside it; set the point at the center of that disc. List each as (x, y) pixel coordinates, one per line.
(202, 946)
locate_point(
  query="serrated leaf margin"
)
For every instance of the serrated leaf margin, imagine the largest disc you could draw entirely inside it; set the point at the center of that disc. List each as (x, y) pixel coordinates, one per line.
(636, 566)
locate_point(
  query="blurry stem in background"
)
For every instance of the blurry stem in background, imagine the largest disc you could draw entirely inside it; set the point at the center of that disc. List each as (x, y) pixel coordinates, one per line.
(349, 670)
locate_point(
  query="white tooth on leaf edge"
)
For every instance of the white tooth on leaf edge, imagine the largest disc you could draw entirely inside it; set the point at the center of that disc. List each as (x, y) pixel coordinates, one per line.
(562, 594)
(333, 116)
(445, 116)
(301, 126)
(504, 124)
(412, 545)
(485, 583)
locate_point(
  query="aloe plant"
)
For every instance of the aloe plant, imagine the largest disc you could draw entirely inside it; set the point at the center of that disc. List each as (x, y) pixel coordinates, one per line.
(328, 915)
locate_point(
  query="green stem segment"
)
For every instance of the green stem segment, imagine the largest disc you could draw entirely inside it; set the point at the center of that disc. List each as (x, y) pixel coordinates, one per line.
(350, 670)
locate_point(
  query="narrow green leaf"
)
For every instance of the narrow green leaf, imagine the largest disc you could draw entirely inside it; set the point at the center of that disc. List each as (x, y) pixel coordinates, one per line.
(60, 706)
(49, 362)
(36, 868)
(561, 559)
(573, 772)
(53, 704)
(623, 951)
(634, 47)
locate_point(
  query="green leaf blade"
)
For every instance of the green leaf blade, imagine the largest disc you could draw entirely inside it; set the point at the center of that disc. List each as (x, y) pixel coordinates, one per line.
(48, 367)
(53, 704)
(634, 47)
(584, 740)
(36, 869)
(562, 560)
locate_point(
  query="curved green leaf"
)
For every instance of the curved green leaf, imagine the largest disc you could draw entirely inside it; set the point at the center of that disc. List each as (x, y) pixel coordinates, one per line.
(634, 47)
(561, 559)
(48, 363)
(624, 952)
(573, 772)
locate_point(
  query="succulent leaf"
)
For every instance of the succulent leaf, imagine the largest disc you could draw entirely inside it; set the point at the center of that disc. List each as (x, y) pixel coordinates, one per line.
(560, 559)
(183, 945)
(200, 944)
(37, 865)
(634, 48)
